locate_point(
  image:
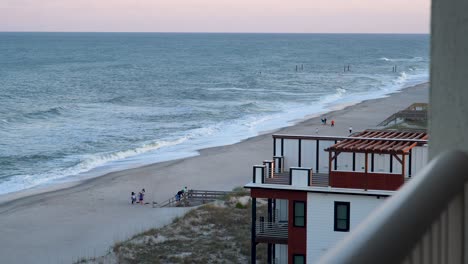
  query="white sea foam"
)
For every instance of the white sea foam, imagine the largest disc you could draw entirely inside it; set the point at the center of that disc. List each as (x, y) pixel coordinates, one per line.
(413, 59)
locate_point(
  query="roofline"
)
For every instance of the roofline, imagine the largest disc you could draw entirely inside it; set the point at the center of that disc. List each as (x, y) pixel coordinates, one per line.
(322, 190)
(310, 137)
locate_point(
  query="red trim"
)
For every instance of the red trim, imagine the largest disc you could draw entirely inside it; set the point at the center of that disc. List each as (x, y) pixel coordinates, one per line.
(297, 236)
(359, 180)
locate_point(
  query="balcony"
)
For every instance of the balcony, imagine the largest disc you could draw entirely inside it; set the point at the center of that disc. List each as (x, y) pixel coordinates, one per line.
(271, 232)
(296, 176)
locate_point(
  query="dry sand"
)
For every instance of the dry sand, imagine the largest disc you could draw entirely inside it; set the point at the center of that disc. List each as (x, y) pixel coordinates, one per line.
(62, 223)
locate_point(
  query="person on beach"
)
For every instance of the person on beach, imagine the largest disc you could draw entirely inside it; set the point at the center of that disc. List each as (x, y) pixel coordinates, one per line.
(325, 121)
(333, 123)
(316, 130)
(141, 196)
(350, 130)
(133, 197)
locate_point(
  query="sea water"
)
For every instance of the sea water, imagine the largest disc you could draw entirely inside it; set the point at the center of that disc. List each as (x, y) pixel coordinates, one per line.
(76, 105)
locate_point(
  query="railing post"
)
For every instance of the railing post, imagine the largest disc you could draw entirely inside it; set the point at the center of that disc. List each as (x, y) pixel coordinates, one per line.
(253, 246)
(262, 224)
(278, 162)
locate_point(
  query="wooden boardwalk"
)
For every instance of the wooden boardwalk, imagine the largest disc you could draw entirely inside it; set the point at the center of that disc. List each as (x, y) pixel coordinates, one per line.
(193, 198)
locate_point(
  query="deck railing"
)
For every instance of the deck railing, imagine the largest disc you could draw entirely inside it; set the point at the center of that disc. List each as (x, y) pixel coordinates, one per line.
(424, 222)
(271, 230)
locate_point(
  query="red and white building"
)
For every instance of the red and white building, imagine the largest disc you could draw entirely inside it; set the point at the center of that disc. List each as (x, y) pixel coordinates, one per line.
(318, 188)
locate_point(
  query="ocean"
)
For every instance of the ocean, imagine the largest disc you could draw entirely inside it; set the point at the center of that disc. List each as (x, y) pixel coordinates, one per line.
(78, 105)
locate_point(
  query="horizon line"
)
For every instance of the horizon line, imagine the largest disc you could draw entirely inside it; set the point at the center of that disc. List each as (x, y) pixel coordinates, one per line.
(220, 32)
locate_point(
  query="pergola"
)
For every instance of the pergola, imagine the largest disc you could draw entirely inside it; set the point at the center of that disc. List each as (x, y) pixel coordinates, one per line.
(394, 143)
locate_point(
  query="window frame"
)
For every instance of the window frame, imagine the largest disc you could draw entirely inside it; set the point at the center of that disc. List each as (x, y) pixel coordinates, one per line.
(299, 255)
(294, 213)
(335, 217)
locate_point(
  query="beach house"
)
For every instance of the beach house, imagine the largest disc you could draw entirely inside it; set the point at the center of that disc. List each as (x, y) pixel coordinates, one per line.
(319, 188)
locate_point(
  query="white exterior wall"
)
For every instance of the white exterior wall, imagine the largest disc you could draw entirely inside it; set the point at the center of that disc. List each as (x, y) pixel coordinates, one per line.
(320, 219)
(323, 155)
(281, 254)
(419, 158)
(291, 153)
(300, 178)
(361, 162)
(344, 162)
(282, 210)
(308, 153)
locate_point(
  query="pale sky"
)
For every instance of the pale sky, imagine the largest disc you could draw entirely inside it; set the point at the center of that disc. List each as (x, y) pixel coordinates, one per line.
(300, 16)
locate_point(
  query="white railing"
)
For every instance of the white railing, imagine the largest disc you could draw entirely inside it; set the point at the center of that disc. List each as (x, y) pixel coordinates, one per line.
(424, 222)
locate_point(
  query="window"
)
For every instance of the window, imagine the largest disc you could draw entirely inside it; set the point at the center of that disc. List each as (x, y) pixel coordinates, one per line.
(299, 214)
(298, 259)
(342, 216)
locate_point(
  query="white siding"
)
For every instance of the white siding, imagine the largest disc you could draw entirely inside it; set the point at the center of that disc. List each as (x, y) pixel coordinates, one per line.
(308, 151)
(282, 209)
(323, 155)
(278, 146)
(320, 219)
(418, 159)
(299, 178)
(344, 162)
(381, 163)
(361, 162)
(291, 153)
(281, 254)
(397, 165)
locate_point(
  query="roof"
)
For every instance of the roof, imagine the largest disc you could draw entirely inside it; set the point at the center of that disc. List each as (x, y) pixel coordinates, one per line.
(380, 141)
(315, 189)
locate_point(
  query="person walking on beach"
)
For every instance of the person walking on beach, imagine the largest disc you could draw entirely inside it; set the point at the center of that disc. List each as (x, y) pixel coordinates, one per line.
(333, 123)
(350, 129)
(133, 197)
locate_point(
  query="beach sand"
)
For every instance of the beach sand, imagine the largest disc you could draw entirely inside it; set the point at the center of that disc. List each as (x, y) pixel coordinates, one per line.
(62, 223)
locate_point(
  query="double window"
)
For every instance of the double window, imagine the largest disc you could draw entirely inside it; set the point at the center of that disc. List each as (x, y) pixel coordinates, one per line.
(342, 216)
(299, 214)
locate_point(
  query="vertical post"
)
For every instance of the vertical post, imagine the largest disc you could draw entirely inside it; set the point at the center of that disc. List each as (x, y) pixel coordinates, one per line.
(299, 162)
(269, 253)
(365, 170)
(403, 167)
(317, 153)
(391, 163)
(409, 162)
(336, 159)
(253, 250)
(354, 161)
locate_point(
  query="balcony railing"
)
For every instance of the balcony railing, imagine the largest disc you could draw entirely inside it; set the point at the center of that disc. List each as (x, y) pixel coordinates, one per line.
(424, 222)
(276, 232)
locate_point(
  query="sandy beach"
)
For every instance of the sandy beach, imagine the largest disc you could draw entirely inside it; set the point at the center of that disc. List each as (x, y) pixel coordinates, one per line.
(62, 223)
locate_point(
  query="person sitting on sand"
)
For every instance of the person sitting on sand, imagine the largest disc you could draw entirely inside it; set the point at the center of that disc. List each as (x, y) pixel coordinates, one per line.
(133, 198)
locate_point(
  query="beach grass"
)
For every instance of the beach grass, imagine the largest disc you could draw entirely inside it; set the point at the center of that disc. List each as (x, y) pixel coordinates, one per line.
(218, 232)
